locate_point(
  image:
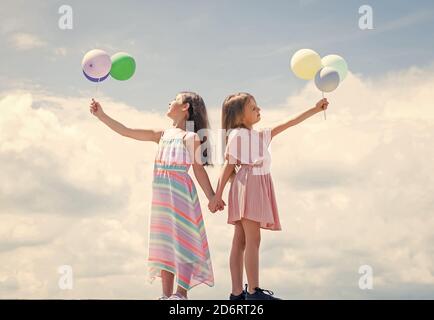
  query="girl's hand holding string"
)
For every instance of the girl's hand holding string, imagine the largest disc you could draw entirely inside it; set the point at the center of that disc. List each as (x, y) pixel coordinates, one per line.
(321, 105)
(96, 109)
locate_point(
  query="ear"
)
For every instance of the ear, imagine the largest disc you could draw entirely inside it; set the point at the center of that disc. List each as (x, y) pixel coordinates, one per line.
(186, 106)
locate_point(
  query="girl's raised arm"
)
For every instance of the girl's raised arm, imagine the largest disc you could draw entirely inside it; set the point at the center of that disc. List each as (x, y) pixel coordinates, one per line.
(138, 134)
(320, 105)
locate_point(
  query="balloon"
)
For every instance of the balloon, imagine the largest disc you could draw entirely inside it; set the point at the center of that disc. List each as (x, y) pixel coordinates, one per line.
(336, 62)
(305, 63)
(123, 66)
(327, 79)
(96, 64)
(95, 79)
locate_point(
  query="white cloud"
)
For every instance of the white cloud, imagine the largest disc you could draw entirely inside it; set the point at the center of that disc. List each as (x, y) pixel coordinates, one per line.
(354, 189)
(26, 41)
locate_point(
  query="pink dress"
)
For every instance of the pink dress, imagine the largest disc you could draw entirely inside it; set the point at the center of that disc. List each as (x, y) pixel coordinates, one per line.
(251, 195)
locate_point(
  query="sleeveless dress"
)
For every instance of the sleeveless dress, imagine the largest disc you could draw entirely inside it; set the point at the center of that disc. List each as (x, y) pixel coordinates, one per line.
(251, 194)
(177, 238)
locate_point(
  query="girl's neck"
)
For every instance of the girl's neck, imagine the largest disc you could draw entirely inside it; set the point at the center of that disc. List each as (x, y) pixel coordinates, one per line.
(180, 124)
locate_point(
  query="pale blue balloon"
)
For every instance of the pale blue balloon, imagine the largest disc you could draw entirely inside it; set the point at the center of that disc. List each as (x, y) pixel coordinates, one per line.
(336, 62)
(327, 79)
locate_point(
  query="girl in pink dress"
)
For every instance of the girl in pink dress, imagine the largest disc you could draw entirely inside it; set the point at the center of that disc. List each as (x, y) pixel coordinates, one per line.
(252, 203)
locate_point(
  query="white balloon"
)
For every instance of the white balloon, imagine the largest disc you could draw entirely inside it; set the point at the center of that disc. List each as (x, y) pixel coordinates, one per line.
(96, 63)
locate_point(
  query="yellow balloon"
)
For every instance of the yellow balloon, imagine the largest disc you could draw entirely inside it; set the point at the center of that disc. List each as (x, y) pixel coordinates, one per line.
(305, 63)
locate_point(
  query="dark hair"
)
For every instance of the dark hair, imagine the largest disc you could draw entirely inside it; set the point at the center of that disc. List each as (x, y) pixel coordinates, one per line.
(198, 114)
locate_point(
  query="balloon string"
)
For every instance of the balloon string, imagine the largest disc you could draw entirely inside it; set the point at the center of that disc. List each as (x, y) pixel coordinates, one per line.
(324, 109)
(96, 89)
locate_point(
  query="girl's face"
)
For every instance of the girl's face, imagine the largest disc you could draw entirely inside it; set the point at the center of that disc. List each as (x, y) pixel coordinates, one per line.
(251, 113)
(177, 110)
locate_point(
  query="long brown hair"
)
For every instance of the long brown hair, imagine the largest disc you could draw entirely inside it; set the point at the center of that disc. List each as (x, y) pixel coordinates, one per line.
(198, 114)
(233, 109)
(232, 114)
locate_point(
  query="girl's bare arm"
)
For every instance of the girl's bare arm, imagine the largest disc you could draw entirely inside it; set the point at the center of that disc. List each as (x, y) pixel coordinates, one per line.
(320, 105)
(199, 171)
(225, 174)
(203, 180)
(138, 134)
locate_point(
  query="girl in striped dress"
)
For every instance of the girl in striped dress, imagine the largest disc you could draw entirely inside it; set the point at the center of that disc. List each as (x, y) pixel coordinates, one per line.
(178, 245)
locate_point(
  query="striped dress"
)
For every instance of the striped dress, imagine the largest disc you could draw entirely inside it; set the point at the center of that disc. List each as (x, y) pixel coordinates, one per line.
(177, 238)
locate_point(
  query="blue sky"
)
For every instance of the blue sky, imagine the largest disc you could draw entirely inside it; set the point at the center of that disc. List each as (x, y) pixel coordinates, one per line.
(355, 189)
(212, 47)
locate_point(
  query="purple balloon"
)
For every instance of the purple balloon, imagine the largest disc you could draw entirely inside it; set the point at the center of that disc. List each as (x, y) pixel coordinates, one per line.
(96, 63)
(95, 79)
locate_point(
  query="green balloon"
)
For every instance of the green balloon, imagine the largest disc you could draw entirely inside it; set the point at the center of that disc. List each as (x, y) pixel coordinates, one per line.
(123, 66)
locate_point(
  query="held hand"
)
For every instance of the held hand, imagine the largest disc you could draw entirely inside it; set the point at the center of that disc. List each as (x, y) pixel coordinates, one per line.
(216, 204)
(96, 109)
(321, 105)
(220, 205)
(212, 205)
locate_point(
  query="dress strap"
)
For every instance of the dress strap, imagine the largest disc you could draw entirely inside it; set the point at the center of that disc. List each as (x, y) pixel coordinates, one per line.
(186, 133)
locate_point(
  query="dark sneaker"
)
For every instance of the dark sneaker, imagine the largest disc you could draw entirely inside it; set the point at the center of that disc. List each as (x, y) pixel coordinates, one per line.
(261, 294)
(241, 296)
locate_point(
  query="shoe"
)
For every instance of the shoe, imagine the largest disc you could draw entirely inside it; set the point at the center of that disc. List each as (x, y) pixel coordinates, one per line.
(241, 296)
(177, 297)
(260, 294)
(163, 297)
